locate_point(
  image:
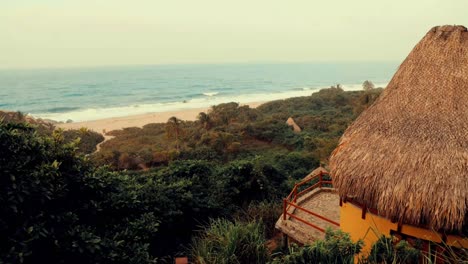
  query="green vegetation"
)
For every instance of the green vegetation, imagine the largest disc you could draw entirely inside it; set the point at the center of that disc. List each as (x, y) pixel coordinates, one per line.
(385, 250)
(143, 198)
(243, 241)
(86, 140)
(224, 242)
(231, 132)
(337, 247)
(392, 250)
(367, 85)
(263, 212)
(58, 208)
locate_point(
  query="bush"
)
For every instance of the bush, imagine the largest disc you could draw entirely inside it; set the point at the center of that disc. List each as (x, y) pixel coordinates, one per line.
(57, 208)
(88, 140)
(223, 241)
(337, 247)
(264, 212)
(386, 251)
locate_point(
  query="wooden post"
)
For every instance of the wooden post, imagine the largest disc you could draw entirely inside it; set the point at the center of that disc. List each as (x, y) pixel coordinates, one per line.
(285, 241)
(364, 211)
(295, 194)
(320, 180)
(285, 204)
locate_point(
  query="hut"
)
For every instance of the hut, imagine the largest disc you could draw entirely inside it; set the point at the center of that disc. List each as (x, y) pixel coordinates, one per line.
(402, 167)
(290, 122)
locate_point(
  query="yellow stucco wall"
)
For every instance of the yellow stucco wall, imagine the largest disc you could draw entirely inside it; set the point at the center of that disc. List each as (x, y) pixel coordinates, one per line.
(373, 226)
(369, 229)
(457, 241)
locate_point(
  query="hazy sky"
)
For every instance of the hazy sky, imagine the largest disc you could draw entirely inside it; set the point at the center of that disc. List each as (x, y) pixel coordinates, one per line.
(63, 33)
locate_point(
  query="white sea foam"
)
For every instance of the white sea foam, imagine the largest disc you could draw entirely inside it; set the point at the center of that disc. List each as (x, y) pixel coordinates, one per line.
(211, 93)
(205, 102)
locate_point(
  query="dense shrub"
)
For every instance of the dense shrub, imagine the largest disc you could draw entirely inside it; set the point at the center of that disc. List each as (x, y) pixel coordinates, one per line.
(263, 212)
(223, 241)
(385, 250)
(229, 132)
(87, 139)
(392, 250)
(337, 247)
(57, 208)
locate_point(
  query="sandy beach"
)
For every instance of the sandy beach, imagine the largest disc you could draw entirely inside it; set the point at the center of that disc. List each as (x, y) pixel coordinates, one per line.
(109, 124)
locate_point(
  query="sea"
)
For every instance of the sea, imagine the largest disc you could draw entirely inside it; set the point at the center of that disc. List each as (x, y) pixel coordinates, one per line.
(83, 94)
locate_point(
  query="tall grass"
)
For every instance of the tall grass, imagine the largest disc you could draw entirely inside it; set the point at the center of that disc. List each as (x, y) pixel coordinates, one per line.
(226, 242)
(266, 212)
(388, 251)
(243, 241)
(337, 247)
(443, 253)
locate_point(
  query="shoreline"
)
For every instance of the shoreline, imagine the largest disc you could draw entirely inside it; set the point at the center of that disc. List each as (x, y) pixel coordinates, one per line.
(116, 123)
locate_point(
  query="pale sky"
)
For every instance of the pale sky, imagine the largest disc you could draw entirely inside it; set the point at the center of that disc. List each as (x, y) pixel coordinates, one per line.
(80, 33)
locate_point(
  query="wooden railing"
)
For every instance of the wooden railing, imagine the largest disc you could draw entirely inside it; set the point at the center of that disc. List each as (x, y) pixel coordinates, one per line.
(318, 181)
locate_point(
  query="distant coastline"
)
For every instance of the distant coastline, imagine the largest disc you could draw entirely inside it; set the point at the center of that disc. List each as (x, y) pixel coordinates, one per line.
(90, 114)
(115, 123)
(95, 93)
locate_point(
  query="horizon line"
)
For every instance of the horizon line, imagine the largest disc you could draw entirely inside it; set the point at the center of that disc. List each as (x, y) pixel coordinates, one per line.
(191, 64)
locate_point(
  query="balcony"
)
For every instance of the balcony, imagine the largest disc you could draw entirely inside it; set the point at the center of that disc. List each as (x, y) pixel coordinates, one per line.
(312, 206)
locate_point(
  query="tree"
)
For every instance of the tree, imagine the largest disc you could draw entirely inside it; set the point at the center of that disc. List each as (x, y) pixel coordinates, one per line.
(20, 116)
(57, 208)
(224, 114)
(173, 129)
(367, 85)
(205, 120)
(338, 87)
(85, 139)
(226, 143)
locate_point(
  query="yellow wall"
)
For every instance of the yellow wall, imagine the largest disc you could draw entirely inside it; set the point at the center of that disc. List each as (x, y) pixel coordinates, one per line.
(369, 229)
(457, 241)
(373, 226)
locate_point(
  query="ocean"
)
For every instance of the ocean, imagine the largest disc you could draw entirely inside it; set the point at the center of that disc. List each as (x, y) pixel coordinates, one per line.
(82, 94)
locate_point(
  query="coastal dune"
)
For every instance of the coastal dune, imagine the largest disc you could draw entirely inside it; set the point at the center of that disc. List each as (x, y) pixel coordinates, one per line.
(108, 124)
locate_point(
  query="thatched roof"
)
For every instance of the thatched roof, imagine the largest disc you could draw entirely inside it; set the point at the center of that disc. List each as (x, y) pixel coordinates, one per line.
(407, 155)
(290, 122)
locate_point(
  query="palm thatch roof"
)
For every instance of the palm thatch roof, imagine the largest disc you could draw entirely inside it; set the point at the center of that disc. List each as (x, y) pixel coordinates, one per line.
(290, 122)
(407, 154)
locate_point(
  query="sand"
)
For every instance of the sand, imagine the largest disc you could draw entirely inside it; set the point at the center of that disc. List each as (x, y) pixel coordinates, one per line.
(109, 124)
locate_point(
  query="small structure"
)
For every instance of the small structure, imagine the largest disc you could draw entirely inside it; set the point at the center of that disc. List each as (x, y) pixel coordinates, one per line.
(290, 122)
(311, 207)
(402, 167)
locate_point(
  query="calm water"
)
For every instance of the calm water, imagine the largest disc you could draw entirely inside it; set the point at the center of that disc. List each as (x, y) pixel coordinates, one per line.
(93, 93)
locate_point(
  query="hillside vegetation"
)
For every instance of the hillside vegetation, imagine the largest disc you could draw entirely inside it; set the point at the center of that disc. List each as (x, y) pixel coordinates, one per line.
(85, 139)
(144, 196)
(231, 132)
(233, 156)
